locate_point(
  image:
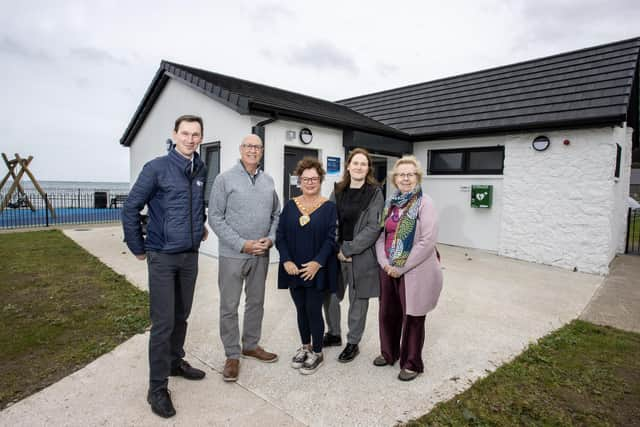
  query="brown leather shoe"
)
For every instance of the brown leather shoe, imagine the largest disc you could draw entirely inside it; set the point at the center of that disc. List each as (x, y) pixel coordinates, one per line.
(231, 370)
(260, 354)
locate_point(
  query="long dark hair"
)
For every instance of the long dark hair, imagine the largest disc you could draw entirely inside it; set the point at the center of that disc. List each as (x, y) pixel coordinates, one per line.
(345, 182)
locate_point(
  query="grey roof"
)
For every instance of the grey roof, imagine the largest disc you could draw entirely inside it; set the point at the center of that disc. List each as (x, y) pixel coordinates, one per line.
(248, 97)
(584, 87)
(587, 86)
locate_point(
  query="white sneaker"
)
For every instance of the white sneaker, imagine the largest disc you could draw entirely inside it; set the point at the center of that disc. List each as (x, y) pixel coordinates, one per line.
(299, 358)
(313, 362)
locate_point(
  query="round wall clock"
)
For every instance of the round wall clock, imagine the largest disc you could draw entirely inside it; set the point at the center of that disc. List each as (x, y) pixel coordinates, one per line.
(305, 135)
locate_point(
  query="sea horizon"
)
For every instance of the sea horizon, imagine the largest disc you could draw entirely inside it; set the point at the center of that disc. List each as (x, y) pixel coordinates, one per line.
(66, 186)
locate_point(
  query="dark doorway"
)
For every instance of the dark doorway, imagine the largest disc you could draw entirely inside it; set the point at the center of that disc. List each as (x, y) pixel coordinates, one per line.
(380, 173)
(379, 167)
(291, 157)
(210, 153)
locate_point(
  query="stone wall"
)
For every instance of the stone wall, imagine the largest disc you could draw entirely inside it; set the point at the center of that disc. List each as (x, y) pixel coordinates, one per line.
(561, 205)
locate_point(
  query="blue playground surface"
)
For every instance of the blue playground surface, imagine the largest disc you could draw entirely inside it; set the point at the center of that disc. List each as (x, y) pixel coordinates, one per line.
(24, 217)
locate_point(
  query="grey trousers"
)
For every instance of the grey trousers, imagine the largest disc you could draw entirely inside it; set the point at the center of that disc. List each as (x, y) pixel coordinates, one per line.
(232, 273)
(358, 308)
(172, 279)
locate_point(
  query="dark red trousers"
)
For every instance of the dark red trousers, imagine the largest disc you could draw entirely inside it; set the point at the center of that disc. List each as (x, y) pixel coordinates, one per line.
(401, 335)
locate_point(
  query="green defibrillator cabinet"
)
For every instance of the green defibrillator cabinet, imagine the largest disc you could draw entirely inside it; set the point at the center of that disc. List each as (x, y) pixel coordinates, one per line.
(481, 196)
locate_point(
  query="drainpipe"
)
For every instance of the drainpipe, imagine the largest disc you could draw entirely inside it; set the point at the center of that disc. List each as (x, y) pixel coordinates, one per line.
(258, 129)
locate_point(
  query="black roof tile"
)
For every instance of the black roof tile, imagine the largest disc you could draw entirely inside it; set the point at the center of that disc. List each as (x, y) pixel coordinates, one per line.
(248, 97)
(583, 87)
(260, 97)
(591, 85)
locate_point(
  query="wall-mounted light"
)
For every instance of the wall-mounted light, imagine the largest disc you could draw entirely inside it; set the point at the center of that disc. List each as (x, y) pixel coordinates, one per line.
(291, 135)
(540, 143)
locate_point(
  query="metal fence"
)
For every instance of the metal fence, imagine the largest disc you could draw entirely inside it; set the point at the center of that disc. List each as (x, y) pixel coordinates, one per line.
(68, 208)
(633, 232)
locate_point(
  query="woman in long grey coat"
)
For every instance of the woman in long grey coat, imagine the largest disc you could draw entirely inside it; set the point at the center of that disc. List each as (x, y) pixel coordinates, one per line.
(410, 273)
(359, 201)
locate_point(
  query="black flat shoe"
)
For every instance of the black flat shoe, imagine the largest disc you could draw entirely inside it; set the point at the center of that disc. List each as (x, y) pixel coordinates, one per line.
(331, 340)
(185, 370)
(160, 402)
(349, 353)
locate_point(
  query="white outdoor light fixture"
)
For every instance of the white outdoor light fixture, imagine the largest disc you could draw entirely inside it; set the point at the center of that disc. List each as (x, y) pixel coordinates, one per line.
(540, 143)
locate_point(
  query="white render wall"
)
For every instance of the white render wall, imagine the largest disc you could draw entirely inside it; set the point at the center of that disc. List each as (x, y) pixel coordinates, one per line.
(622, 136)
(560, 204)
(220, 124)
(561, 207)
(459, 224)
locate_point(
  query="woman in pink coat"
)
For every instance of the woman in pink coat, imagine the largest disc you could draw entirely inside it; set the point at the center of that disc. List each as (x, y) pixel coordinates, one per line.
(410, 274)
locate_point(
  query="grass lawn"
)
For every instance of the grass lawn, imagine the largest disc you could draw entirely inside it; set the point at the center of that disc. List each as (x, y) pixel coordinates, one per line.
(581, 374)
(60, 309)
(634, 234)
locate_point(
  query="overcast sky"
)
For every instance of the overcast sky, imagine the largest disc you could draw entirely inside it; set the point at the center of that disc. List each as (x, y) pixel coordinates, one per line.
(73, 72)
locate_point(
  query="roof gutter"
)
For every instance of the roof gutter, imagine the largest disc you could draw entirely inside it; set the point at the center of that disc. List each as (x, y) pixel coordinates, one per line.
(258, 129)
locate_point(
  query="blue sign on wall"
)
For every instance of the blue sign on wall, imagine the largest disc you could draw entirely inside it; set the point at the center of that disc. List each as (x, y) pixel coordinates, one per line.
(333, 165)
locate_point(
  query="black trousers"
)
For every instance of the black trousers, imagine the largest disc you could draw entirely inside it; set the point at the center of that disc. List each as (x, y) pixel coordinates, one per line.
(308, 303)
(172, 279)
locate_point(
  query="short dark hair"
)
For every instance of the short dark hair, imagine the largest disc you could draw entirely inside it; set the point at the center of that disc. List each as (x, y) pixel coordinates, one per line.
(188, 118)
(309, 163)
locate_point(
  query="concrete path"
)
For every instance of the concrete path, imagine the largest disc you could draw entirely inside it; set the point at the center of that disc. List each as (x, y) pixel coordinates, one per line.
(617, 301)
(490, 309)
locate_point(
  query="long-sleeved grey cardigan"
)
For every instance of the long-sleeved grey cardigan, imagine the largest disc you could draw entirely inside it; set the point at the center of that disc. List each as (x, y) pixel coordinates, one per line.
(242, 209)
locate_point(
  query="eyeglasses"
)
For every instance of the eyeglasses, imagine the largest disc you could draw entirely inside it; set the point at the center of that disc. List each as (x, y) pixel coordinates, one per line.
(407, 175)
(311, 180)
(252, 147)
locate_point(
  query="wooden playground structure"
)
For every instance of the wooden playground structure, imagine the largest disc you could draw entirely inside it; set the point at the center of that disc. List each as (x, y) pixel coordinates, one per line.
(23, 199)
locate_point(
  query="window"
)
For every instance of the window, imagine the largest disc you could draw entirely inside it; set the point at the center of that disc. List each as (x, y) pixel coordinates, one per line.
(467, 161)
(447, 161)
(210, 153)
(618, 159)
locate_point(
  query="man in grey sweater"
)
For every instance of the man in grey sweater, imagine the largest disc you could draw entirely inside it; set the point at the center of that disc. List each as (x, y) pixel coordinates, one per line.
(243, 212)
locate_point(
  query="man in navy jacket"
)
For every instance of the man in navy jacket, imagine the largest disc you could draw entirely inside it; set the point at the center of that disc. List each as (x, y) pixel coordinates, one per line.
(172, 187)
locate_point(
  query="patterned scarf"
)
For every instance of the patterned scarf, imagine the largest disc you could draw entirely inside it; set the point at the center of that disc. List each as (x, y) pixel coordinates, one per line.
(406, 229)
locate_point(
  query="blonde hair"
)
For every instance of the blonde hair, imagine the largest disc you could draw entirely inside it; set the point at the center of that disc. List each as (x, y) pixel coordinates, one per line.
(406, 160)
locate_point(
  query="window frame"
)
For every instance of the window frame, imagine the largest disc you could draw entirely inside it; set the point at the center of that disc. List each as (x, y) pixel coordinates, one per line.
(465, 170)
(616, 173)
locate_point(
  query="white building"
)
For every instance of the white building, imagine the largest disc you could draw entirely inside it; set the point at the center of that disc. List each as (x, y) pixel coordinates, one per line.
(560, 200)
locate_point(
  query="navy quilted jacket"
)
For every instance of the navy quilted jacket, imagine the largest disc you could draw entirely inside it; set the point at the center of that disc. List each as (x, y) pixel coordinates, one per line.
(175, 199)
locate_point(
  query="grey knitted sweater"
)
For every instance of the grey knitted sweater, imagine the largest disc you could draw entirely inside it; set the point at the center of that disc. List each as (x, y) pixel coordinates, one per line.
(241, 209)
